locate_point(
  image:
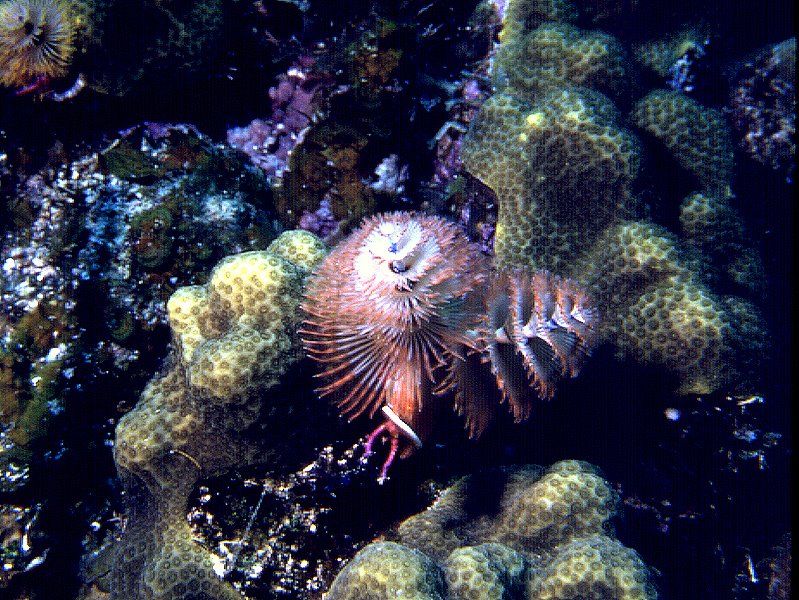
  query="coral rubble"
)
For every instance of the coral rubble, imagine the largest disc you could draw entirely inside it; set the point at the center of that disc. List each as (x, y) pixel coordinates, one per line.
(763, 105)
(99, 246)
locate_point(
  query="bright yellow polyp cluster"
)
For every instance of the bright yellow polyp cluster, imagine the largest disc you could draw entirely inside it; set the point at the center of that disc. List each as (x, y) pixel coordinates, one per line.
(232, 332)
(184, 308)
(303, 249)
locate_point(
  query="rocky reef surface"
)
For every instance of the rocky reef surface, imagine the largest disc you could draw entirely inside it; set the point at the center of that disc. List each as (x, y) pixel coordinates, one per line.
(619, 175)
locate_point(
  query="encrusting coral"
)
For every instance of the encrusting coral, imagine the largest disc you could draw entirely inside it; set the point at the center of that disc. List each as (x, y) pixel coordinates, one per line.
(486, 571)
(710, 225)
(511, 534)
(233, 339)
(386, 570)
(659, 310)
(386, 310)
(36, 41)
(562, 167)
(696, 136)
(566, 175)
(558, 54)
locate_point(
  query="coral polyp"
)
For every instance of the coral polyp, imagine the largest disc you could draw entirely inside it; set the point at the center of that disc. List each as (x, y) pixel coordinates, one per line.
(387, 309)
(36, 41)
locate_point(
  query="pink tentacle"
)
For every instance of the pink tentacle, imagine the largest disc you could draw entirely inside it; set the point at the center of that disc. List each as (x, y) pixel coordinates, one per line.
(38, 84)
(389, 459)
(367, 450)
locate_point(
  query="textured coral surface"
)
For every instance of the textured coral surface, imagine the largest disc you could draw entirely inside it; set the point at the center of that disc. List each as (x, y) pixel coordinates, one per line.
(555, 55)
(697, 137)
(600, 158)
(567, 176)
(562, 167)
(659, 310)
(514, 533)
(233, 339)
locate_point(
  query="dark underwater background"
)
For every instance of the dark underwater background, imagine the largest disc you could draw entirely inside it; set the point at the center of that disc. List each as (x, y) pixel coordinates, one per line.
(704, 479)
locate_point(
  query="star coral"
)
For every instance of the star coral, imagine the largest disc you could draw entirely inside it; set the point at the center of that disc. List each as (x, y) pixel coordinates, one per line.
(555, 55)
(385, 311)
(233, 340)
(36, 41)
(515, 533)
(697, 136)
(571, 177)
(563, 169)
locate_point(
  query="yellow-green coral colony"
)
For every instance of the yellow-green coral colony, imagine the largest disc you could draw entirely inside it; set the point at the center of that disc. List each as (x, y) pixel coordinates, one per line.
(412, 319)
(565, 166)
(233, 339)
(697, 136)
(547, 533)
(709, 224)
(556, 55)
